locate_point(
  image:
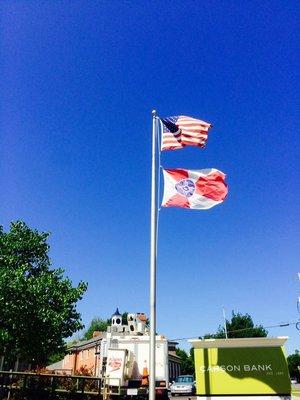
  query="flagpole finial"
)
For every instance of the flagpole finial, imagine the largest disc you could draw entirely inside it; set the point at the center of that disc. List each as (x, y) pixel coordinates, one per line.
(153, 113)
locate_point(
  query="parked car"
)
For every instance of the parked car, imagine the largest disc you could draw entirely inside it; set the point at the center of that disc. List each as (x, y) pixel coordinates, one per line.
(293, 381)
(184, 384)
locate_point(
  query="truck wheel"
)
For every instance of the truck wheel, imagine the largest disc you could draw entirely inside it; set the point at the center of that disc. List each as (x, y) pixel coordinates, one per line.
(163, 395)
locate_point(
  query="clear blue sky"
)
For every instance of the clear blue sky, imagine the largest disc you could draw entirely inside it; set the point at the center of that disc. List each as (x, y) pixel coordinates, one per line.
(78, 82)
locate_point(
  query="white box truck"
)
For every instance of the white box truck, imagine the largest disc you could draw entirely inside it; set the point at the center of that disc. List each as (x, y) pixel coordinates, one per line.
(124, 364)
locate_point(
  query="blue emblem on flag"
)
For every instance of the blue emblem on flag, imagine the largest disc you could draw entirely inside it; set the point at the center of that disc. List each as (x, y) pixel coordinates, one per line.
(185, 187)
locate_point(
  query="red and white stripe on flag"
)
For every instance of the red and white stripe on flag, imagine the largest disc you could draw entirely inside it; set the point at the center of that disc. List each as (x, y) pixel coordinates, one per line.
(198, 189)
(182, 131)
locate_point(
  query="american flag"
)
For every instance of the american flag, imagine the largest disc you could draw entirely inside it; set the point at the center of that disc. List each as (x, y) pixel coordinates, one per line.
(181, 131)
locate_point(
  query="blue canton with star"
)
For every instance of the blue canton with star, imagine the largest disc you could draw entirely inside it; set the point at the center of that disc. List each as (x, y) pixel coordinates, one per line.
(169, 124)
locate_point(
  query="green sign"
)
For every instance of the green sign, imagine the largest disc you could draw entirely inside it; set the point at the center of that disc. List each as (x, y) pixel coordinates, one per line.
(244, 371)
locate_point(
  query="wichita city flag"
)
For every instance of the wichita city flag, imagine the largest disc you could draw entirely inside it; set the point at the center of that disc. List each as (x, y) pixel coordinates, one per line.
(200, 189)
(182, 131)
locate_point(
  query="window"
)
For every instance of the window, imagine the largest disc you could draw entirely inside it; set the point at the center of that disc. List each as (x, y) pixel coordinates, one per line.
(185, 379)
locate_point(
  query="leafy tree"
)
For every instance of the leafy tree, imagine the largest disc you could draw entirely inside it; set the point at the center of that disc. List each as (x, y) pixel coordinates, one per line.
(187, 361)
(97, 324)
(37, 303)
(240, 326)
(192, 355)
(124, 318)
(56, 357)
(294, 365)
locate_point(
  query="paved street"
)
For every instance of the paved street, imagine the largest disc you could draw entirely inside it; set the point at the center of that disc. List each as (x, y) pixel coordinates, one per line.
(297, 397)
(296, 391)
(194, 397)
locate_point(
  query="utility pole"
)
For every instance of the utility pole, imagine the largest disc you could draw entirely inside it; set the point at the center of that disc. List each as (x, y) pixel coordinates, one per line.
(225, 325)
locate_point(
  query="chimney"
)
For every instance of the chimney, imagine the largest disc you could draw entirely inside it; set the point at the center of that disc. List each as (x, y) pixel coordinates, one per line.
(96, 333)
(142, 317)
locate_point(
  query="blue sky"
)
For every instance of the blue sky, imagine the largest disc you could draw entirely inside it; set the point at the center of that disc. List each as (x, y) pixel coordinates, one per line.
(79, 81)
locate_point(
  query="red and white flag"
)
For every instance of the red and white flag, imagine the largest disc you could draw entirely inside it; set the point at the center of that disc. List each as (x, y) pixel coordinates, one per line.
(181, 131)
(199, 189)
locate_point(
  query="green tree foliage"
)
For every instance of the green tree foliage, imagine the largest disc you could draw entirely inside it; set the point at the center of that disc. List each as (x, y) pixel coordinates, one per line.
(37, 303)
(240, 326)
(99, 324)
(294, 365)
(124, 318)
(187, 361)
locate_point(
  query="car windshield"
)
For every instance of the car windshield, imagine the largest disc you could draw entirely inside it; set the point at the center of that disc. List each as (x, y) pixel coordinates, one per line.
(184, 379)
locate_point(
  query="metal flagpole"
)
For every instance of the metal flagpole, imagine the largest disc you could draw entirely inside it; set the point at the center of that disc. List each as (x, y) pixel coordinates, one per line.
(153, 240)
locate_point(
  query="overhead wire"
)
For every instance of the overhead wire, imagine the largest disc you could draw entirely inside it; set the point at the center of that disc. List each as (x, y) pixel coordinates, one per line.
(279, 325)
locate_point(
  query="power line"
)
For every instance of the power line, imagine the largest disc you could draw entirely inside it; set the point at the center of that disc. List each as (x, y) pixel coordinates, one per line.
(281, 325)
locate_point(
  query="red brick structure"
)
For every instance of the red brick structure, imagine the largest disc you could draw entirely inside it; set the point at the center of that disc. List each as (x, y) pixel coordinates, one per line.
(84, 354)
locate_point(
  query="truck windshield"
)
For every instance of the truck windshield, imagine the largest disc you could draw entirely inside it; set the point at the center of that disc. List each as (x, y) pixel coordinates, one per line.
(184, 379)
